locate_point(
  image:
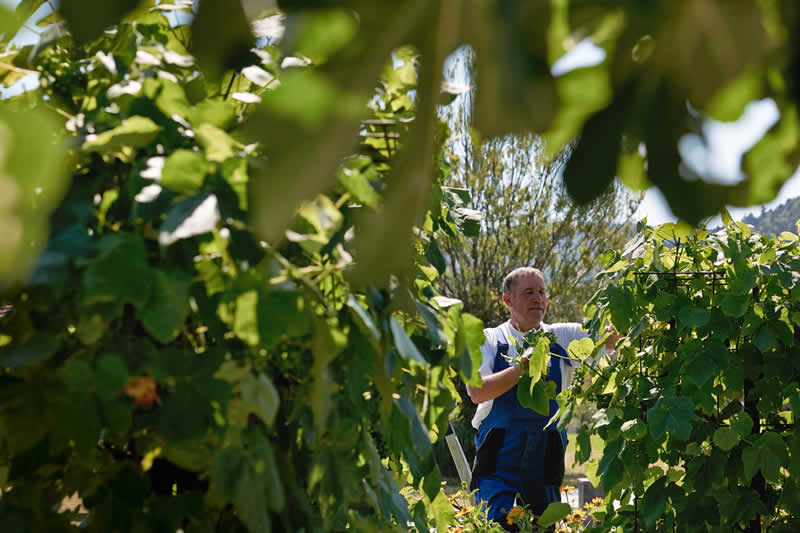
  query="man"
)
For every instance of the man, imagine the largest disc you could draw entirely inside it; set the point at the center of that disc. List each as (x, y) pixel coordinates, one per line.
(515, 455)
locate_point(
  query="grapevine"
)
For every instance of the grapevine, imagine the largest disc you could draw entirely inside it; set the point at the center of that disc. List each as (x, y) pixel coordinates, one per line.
(697, 411)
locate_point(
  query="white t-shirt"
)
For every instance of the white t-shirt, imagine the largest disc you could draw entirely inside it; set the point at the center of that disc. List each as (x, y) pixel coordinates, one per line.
(565, 332)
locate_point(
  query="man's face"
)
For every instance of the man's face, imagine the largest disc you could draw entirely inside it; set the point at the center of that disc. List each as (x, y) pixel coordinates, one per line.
(527, 302)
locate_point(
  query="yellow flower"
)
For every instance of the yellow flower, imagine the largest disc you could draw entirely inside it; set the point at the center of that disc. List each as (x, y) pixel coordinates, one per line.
(567, 488)
(515, 515)
(575, 517)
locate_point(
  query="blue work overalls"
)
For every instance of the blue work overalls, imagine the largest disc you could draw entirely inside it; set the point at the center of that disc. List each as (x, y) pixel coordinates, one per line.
(513, 438)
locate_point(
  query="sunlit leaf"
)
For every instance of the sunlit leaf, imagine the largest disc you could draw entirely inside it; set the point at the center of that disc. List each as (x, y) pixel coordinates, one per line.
(134, 132)
(193, 216)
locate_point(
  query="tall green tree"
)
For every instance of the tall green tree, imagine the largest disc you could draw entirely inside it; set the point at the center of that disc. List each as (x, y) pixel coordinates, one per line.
(527, 218)
(780, 218)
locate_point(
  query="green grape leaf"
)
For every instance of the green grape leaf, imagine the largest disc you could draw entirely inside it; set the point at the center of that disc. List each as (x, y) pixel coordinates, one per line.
(467, 220)
(524, 390)
(581, 349)
(134, 132)
(91, 328)
(432, 483)
(699, 370)
(726, 438)
(794, 463)
(245, 318)
(583, 446)
(282, 312)
(226, 472)
(166, 312)
(774, 455)
(566, 409)
(469, 339)
(365, 323)
(553, 513)
(765, 339)
(218, 113)
(671, 415)
(750, 460)
(434, 330)
(538, 357)
(193, 454)
(193, 216)
(38, 348)
(727, 220)
(119, 273)
(742, 424)
(76, 417)
(621, 305)
(654, 502)
(184, 171)
(540, 397)
(735, 305)
(694, 317)
(744, 278)
(183, 414)
(264, 464)
(356, 183)
(442, 511)
(261, 396)
(419, 434)
(633, 429)
(768, 454)
(112, 376)
(216, 143)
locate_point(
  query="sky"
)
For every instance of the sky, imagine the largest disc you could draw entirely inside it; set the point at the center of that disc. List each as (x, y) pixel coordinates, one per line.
(721, 159)
(718, 159)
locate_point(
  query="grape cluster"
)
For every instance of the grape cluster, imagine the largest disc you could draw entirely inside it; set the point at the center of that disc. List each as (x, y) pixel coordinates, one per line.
(62, 76)
(603, 401)
(638, 452)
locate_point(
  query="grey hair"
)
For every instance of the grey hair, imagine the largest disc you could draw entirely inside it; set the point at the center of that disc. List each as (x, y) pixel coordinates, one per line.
(518, 273)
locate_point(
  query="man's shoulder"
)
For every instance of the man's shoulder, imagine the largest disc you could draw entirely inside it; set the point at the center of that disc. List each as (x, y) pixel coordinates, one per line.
(566, 331)
(500, 330)
(562, 326)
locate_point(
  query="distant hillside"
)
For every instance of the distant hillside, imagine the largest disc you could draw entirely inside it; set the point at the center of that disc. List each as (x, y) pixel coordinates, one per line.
(782, 218)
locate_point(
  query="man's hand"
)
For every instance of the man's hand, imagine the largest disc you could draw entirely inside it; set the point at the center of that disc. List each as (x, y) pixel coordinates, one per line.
(498, 383)
(612, 339)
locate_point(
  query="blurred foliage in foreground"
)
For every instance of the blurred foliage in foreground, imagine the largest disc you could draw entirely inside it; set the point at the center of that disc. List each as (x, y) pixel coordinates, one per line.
(663, 67)
(165, 363)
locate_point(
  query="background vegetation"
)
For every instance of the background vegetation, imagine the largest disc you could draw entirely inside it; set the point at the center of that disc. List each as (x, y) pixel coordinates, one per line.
(775, 221)
(527, 216)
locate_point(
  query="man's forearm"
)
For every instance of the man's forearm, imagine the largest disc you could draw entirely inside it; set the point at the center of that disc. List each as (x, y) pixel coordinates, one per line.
(495, 385)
